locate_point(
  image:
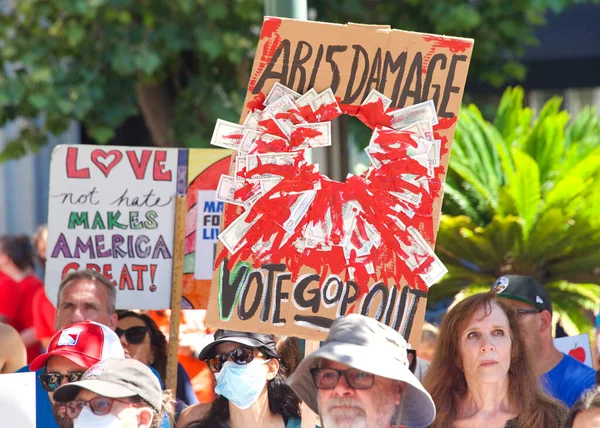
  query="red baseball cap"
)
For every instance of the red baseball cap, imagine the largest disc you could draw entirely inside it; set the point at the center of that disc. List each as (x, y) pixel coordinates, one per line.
(84, 343)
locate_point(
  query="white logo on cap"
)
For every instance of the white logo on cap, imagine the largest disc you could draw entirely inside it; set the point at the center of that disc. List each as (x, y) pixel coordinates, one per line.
(500, 284)
(69, 336)
(539, 300)
(95, 371)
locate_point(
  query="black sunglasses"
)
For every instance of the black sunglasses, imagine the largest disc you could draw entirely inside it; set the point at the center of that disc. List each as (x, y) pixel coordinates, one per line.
(133, 335)
(240, 355)
(51, 381)
(328, 378)
(99, 405)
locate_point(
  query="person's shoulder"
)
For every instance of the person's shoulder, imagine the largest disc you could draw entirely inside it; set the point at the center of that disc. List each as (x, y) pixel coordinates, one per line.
(31, 284)
(576, 369)
(193, 413)
(12, 350)
(294, 423)
(7, 332)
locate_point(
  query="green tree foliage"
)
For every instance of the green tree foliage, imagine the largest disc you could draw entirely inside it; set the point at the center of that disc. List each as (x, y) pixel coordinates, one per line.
(522, 197)
(180, 63)
(502, 29)
(183, 63)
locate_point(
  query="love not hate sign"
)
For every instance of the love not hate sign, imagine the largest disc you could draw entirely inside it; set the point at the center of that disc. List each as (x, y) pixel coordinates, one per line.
(374, 73)
(113, 211)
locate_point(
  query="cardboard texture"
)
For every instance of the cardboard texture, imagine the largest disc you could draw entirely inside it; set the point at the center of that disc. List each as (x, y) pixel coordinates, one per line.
(113, 210)
(350, 59)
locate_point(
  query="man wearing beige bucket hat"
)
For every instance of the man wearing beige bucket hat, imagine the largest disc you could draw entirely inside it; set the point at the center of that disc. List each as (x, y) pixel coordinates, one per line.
(360, 378)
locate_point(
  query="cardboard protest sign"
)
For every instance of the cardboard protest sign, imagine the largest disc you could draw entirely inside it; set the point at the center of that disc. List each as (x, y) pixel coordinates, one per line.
(298, 249)
(577, 347)
(113, 210)
(17, 400)
(202, 223)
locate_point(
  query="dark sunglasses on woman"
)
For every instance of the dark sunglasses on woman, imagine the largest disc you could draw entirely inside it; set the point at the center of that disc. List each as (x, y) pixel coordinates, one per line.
(99, 405)
(133, 335)
(51, 381)
(241, 355)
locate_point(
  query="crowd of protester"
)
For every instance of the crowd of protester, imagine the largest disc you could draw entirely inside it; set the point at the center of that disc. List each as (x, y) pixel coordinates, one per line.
(492, 363)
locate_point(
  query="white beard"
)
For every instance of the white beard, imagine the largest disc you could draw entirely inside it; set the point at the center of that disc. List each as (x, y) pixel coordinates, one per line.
(355, 416)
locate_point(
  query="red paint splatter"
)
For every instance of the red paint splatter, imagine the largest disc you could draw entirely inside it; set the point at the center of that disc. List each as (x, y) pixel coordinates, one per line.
(300, 135)
(271, 127)
(328, 112)
(270, 146)
(445, 123)
(349, 109)
(270, 26)
(269, 32)
(373, 114)
(257, 103)
(307, 113)
(381, 210)
(233, 136)
(454, 45)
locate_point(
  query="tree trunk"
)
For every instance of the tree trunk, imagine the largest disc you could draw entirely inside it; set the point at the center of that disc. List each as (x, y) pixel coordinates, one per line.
(156, 106)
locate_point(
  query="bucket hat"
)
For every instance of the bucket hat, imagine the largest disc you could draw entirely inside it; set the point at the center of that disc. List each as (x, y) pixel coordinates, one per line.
(370, 346)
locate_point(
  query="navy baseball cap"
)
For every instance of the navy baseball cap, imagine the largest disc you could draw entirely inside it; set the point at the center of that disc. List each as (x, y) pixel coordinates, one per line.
(524, 289)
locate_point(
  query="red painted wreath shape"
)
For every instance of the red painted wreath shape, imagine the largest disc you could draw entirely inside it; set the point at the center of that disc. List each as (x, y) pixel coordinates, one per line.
(297, 216)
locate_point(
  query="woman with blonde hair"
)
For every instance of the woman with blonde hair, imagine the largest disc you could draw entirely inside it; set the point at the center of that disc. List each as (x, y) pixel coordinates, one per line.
(481, 375)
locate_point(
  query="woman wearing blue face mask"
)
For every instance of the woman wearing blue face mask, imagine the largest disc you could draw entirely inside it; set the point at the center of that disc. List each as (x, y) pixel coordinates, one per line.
(248, 376)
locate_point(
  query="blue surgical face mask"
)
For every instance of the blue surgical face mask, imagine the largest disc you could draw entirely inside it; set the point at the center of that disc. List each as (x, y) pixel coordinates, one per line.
(241, 383)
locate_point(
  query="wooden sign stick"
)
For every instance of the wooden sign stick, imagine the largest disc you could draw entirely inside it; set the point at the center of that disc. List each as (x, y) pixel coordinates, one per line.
(177, 283)
(309, 418)
(176, 292)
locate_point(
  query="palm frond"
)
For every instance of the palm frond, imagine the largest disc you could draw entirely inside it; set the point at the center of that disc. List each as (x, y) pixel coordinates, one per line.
(525, 188)
(524, 199)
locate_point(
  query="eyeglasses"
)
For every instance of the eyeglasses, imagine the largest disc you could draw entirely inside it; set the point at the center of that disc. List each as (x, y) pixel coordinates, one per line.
(240, 355)
(51, 381)
(133, 335)
(99, 405)
(328, 378)
(526, 311)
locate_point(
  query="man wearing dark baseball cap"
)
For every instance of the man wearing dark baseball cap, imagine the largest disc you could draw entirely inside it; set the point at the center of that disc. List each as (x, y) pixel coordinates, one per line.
(114, 393)
(565, 378)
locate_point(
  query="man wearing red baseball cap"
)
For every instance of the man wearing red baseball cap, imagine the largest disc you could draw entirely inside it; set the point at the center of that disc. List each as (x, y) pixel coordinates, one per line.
(72, 351)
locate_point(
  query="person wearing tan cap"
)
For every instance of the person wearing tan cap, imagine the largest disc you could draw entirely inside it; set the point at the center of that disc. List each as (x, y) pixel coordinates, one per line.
(114, 393)
(360, 378)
